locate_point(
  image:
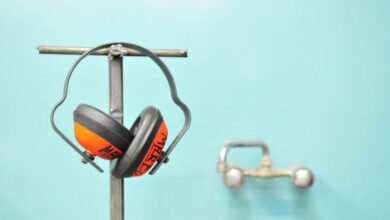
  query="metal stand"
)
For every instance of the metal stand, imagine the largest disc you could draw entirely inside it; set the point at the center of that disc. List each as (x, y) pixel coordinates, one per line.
(115, 56)
(116, 111)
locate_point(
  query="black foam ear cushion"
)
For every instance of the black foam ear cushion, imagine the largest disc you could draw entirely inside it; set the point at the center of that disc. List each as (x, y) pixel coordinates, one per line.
(144, 130)
(103, 125)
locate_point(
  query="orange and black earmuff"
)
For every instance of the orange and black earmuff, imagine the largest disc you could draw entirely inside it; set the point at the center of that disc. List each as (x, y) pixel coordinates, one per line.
(133, 151)
(150, 135)
(99, 134)
(102, 136)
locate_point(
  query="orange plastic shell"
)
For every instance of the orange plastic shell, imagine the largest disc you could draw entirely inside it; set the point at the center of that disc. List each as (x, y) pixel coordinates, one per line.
(155, 151)
(95, 144)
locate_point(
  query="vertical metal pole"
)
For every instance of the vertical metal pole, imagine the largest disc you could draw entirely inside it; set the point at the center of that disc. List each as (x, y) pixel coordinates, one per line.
(116, 111)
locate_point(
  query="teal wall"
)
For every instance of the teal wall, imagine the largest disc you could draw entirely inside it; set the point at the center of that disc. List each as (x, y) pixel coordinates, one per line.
(309, 77)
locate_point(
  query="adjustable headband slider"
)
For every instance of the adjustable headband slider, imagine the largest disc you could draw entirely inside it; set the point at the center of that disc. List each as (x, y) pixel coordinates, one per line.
(117, 50)
(163, 158)
(90, 156)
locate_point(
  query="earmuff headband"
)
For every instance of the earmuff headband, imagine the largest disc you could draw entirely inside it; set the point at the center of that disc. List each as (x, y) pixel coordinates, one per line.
(172, 87)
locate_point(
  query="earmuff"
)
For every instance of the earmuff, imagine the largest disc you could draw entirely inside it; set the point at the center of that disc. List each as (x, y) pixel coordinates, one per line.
(133, 151)
(102, 136)
(150, 135)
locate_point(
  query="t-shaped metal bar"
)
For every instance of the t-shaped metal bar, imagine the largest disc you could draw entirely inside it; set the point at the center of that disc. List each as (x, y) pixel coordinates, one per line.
(116, 100)
(43, 49)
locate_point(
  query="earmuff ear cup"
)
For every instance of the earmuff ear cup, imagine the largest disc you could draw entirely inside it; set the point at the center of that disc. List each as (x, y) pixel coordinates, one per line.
(100, 134)
(150, 134)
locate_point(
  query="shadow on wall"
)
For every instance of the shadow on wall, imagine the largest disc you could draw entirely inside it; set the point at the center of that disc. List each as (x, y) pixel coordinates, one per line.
(275, 198)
